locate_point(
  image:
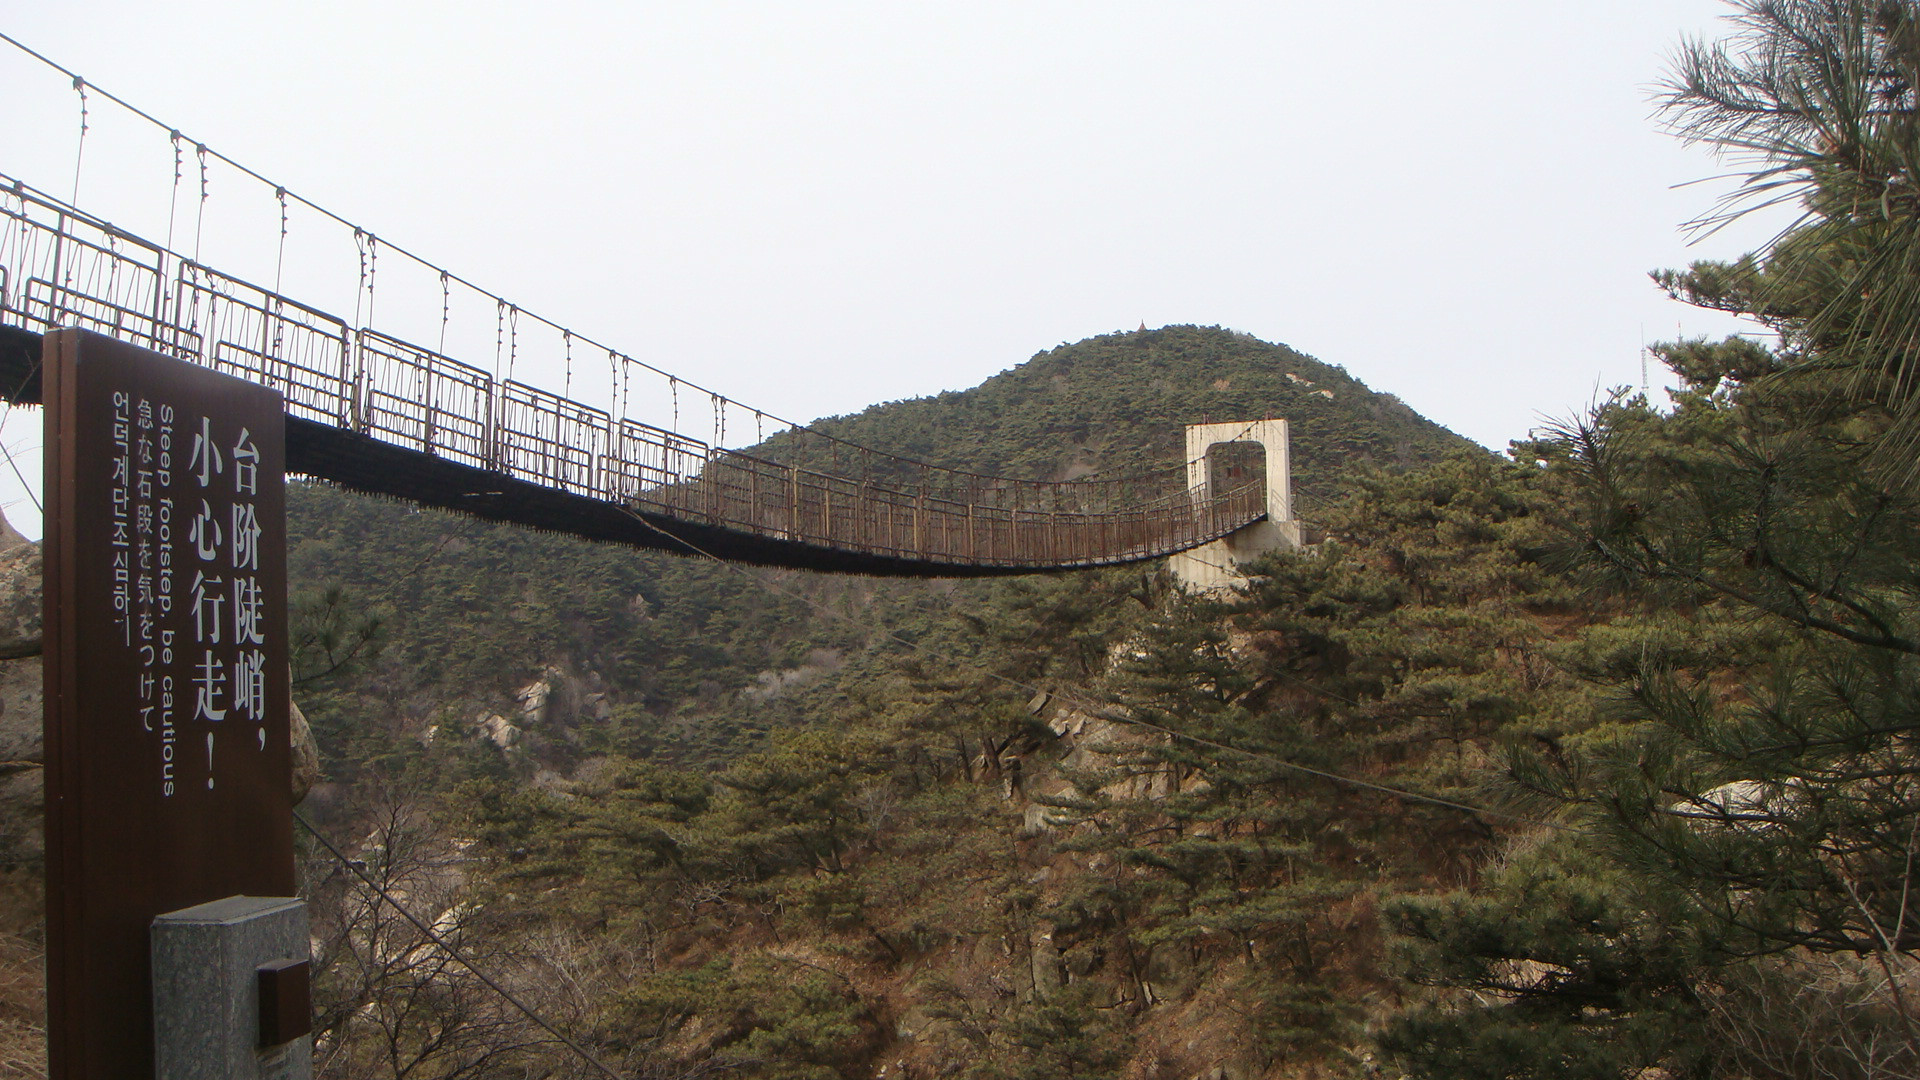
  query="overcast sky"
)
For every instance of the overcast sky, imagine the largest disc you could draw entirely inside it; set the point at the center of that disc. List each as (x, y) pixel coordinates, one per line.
(816, 206)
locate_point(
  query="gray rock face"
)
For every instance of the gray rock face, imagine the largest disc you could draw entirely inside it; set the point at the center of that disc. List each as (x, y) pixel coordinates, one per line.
(21, 697)
(497, 730)
(22, 746)
(19, 598)
(306, 753)
(535, 696)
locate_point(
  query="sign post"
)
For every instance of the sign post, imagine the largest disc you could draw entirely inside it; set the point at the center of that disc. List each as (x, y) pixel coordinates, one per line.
(166, 674)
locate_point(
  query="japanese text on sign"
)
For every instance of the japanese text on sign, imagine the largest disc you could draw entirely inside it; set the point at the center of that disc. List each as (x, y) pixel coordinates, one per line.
(187, 594)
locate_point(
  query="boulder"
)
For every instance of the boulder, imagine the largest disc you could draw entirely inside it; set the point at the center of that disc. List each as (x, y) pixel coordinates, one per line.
(306, 753)
(533, 699)
(497, 730)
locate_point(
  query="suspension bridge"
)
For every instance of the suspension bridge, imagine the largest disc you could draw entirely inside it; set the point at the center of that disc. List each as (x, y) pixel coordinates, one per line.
(371, 410)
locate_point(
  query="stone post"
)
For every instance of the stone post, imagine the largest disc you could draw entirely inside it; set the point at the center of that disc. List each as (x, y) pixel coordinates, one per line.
(230, 999)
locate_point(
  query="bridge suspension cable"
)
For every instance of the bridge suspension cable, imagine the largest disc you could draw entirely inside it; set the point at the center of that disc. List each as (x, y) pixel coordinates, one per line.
(205, 154)
(60, 266)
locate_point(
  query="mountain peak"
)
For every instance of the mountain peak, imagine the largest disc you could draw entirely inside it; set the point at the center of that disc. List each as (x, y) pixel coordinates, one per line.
(1120, 402)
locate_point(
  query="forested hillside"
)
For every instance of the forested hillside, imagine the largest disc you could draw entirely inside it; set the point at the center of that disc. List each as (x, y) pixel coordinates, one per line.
(1594, 759)
(470, 613)
(879, 821)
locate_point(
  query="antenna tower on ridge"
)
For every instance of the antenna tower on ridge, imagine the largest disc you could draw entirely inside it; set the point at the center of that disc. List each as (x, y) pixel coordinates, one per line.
(1643, 358)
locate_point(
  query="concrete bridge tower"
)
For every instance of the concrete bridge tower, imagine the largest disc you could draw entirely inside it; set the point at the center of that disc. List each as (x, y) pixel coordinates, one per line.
(1216, 565)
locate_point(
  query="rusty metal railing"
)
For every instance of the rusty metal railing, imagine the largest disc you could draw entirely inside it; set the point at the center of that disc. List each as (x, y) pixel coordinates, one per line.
(60, 267)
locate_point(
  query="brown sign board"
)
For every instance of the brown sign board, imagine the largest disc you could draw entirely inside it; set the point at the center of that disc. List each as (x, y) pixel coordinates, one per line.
(166, 674)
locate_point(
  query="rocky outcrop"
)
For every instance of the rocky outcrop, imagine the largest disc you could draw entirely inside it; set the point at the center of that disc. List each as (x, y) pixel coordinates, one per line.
(559, 696)
(20, 598)
(306, 753)
(768, 685)
(497, 730)
(536, 695)
(1088, 744)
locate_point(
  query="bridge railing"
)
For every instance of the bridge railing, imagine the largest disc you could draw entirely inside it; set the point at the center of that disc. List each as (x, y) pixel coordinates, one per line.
(749, 493)
(243, 330)
(61, 267)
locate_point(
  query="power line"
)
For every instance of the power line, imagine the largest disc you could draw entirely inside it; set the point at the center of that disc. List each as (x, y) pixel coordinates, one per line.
(20, 476)
(453, 951)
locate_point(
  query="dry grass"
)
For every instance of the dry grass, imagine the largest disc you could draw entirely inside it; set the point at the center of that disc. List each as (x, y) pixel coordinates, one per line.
(23, 979)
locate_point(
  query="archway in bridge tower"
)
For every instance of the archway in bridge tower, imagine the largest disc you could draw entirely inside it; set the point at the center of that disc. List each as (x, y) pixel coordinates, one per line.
(1233, 465)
